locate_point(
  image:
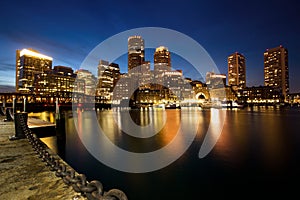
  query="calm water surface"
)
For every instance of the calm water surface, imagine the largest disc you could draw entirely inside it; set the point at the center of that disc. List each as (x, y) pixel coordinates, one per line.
(257, 152)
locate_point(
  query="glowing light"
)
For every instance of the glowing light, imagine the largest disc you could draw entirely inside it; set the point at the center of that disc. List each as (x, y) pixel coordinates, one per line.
(161, 48)
(35, 54)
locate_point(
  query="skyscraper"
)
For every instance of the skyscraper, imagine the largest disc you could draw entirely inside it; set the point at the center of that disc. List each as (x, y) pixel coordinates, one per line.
(276, 70)
(136, 53)
(28, 64)
(237, 71)
(162, 63)
(162, 58)
(108, 75)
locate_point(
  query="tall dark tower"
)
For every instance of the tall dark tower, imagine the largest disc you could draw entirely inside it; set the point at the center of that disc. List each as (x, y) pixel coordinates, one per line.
(136, 53)
(237, 71)
(276, 70)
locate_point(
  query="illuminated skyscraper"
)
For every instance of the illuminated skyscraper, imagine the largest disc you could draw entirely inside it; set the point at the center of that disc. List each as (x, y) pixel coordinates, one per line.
(276, 70)
(136, 53)
(162, 63)
(108, 75)
(28, 64)
(162, 58)
(237, 71)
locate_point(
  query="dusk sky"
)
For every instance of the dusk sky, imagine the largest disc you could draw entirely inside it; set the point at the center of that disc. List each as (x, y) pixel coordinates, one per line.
(69, 30)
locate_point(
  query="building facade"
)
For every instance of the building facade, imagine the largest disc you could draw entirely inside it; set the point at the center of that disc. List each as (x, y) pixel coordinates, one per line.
(173, 84)
(58, 82)
(136, 52)
(89, 80)
(146, 77)
(236, 71)
(214, 80)
(162, 64)
(259, 95)
(276, 70)
(108, 75)
(29, 63)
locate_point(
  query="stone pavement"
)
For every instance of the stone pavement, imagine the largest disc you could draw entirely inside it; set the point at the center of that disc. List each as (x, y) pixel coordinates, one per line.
(23, 175)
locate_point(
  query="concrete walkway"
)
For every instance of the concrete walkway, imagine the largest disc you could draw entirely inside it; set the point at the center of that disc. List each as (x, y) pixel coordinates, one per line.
(23, 175)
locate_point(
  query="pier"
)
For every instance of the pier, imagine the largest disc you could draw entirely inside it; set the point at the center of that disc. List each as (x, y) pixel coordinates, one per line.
(30, 170)
(24, 175)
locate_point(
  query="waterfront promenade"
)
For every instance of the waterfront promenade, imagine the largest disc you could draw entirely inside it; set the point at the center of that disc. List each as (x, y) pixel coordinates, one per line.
(24, 175)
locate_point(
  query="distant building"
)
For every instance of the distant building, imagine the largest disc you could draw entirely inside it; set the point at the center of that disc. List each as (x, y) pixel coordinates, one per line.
(187, 91)
(237, 71)
(136, 53)
(108, 75)
(30, 63)
(162, 59)
(226, 93)
(90, 81)
(173, 82)
(58, 82)
(146, 76)
(214, 80)
(148, 97)
(122, 91)
(260, 94)
(276, 70)
(294, 98)
(162, 63)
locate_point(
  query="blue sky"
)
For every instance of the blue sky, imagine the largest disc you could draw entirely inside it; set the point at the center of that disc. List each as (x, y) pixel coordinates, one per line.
(69, 30)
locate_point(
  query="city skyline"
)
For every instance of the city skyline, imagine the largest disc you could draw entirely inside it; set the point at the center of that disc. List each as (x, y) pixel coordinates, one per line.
(71, 35)
(236, 73)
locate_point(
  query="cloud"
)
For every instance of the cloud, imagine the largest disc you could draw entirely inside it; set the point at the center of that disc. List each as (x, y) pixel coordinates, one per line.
(7, 66)
(62, 48)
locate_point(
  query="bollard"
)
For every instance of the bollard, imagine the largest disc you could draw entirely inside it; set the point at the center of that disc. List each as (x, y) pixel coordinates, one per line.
(19, 134)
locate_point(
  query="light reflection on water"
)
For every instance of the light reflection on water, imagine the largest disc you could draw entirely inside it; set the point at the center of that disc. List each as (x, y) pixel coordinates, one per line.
(258, 146)
(46, 116)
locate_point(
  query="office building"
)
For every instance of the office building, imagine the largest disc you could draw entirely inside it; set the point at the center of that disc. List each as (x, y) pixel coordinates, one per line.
(58, 82)
(237, 71)
(276, 70)
(173, 84)
(162, 64)
(259, 94)
(162, 59)
(90, 82)
(108, 75)
(214, 80)
(136, 53)
(29, 63)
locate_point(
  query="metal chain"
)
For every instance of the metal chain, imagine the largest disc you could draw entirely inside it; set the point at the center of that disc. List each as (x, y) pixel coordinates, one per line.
(91, 190)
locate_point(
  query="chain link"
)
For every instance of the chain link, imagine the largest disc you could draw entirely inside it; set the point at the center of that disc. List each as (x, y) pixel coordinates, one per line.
(91, 190)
